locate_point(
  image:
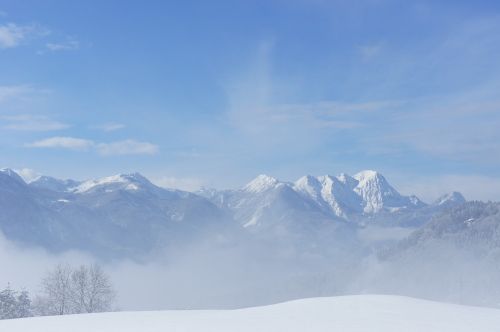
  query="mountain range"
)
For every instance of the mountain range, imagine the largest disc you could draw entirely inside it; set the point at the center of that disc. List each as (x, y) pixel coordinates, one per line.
(126, 214)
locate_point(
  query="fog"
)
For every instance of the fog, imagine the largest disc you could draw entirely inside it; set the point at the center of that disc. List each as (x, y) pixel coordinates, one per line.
(200, 276)
(245, 273)
(23, 267)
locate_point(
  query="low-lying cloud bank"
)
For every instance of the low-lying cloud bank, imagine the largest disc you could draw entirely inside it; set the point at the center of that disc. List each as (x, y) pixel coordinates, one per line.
(234, 275)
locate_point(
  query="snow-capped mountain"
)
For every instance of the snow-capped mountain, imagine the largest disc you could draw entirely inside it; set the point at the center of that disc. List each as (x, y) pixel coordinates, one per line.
(454, 198)
(7, 174)
(117, 215)
(261, 184)
(266, 200)
(377, 194)
(270, 208)
(126, 213)
(50, 183)
(127, 182)
(366, 192)
(333, 194)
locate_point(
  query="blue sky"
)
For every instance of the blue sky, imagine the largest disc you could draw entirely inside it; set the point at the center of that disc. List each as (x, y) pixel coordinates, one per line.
(212, 93)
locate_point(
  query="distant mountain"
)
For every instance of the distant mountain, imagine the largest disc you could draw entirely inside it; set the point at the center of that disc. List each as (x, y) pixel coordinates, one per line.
(378, 195)
(114, 216)
(124, 214)
(274, 209)
(367, 192)
(7, 173)
(50, 183)
(266, 200)
(451, 199)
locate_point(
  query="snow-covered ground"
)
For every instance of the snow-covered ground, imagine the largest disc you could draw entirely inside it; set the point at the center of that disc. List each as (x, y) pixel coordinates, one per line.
(345, 313)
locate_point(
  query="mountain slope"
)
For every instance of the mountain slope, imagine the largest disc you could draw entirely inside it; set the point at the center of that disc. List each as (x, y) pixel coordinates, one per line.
(455, 256)
(473, 225)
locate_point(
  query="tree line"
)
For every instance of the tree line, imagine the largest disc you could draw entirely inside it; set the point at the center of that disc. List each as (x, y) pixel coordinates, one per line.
(64, 290)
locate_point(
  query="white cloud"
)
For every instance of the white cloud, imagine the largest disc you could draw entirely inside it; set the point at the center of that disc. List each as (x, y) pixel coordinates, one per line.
(127, 147)
(32, 123)
(70, 143)
(112, 126)
(187, 184)
(13, 35)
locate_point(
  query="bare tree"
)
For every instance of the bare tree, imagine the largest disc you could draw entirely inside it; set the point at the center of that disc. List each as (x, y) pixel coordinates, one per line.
(72, 291)
(91, 289)
(79, 281)
(57, 291)
(66, 290)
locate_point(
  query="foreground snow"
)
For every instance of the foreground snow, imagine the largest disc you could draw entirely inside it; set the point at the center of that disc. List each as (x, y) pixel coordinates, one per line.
(344, 313)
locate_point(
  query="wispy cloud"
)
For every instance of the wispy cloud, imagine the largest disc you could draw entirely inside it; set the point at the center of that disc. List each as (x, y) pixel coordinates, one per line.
(460, 127)
(29, 122)
(127, 147)
(259, 108)
(112, 126)
(70, 44)
(70, 143)
(324, 114)
(13, 35)
(8, 92)
(370, 51)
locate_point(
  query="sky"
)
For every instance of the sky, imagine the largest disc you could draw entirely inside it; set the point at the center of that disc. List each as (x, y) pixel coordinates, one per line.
(213, 93)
